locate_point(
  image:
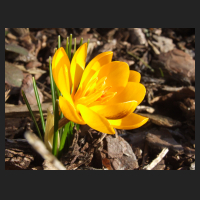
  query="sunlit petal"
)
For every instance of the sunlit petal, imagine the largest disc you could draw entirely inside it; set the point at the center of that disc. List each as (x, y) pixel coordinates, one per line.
(69, 111)
(133, 91)
(117, 74)
(94, 120)
(89, 99)
(134, 76)
(94, 65)
(63, 82)
(78, 66)
(61, 61)
(131, 121)
(115, 111)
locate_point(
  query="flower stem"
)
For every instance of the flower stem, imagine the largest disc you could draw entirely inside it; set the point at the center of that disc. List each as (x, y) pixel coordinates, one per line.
(64, 137)
(70, 133)
(55, 138)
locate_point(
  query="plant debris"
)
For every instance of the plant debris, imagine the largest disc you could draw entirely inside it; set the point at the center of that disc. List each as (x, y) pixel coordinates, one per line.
(165, 58)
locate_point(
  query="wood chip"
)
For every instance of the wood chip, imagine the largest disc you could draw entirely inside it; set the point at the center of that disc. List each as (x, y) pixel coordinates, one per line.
(120, 154)
(22, 110)
(175, 65)
(162, 120)
(159, 143)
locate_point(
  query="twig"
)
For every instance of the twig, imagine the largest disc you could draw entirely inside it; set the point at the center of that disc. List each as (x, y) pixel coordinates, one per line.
(100, 139)
(157, 160)
(154, 48)
(39, 146)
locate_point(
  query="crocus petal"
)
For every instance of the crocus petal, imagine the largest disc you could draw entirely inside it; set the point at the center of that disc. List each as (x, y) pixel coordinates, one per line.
(94, 120)
(63, 82)
(94, 65)
(133, 91)
(61, 62)
(134, 76)
(117, 74)
(131, 121)
(89, 99)
(78, 66)
(69, 111)
(115, 111)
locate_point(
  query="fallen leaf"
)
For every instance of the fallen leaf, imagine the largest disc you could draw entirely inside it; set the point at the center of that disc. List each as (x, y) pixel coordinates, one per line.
(16, 49)
(13, 75)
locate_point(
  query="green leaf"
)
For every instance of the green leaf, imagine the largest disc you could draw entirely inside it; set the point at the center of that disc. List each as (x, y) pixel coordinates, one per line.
(81, 42)
(31, 112)
(52, 85)
(59, 41)
(67, 47)
(70, 46)
(55, 138)
(39, 104)
(161, 71)
(74, 47)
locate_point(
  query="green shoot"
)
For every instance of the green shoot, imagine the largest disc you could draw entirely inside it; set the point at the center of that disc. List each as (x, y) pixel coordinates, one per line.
(81, 42)
(67, 46)
(39, 104)
(70, 46)
(52, 85)
(74, 46)
(31, 112)
(88, 42)
(59, 41)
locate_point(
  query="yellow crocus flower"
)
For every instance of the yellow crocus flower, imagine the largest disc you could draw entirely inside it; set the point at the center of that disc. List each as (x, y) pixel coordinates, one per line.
(102, 95)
